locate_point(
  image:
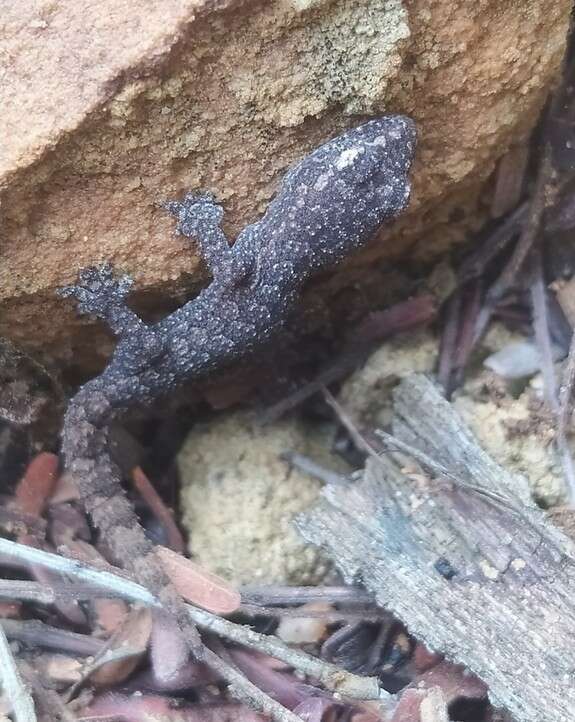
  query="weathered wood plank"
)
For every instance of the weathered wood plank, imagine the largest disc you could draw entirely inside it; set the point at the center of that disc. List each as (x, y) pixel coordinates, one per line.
(467, 561)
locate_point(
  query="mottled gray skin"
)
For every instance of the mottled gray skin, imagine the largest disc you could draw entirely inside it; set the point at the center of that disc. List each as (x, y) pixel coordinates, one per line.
(327, 206)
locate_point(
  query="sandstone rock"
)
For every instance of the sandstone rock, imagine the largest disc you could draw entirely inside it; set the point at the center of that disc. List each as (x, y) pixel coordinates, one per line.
(108, 108)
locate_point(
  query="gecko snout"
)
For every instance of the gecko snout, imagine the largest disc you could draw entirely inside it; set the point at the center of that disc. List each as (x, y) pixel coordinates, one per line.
(393, 139)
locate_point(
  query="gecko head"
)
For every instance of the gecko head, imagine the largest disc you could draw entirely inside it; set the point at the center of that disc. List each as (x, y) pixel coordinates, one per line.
(337, 197)
(370, 164)
(356, 181)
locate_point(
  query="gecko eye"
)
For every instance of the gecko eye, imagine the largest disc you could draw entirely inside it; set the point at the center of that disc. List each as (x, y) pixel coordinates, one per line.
(390, 139)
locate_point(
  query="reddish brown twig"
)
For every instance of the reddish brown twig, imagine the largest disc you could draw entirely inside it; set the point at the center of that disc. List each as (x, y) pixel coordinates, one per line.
(460, 335)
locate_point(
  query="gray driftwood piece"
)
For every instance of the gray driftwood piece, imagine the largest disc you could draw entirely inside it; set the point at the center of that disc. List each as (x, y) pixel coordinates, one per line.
(466, 561)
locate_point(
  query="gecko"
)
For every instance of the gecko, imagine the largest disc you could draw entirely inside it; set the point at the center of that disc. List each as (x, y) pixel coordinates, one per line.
(327, 206)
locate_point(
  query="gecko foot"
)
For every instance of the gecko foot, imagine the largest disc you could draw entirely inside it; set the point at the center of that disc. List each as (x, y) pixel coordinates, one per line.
(98, 291)
(198, 214)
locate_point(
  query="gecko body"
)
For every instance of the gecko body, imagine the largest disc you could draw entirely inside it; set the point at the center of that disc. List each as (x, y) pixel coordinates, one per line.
(327, 206)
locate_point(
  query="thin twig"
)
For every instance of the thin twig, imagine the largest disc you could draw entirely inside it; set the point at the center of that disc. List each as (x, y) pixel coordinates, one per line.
(567, 465)
(35, 633)
(372, 615)
(312, 468)
(331, 676)
(13, 685)
(40, 593)
(529, 231)
(245, 691)
(120, 586)
(326, 377)
(566, 389)
(394, 444)
(470, 311)
(538, 295)
(553, 396)
(276, 594)
(448, 341)
(475, 264)
(358, 438)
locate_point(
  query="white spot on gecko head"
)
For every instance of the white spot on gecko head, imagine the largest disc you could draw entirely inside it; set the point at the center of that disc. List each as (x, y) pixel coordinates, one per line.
(322, 181)
(395, 133)
(348, 156)
(380, 140)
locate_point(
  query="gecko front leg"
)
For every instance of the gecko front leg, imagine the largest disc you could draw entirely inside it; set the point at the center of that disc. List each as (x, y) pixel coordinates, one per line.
(199, 217)
(102, 294)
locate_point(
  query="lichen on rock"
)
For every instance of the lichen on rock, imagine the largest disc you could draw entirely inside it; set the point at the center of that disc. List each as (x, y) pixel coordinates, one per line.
(239, 499)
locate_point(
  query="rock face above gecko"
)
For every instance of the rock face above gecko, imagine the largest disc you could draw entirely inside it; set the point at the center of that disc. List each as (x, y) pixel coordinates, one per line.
(327, 206)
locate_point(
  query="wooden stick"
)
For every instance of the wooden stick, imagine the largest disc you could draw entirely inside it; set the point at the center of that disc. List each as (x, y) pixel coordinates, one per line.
(487, 584)
(13, 686)
(329, 675)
